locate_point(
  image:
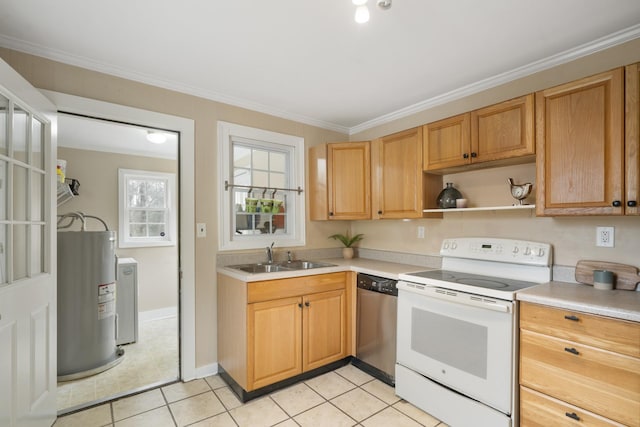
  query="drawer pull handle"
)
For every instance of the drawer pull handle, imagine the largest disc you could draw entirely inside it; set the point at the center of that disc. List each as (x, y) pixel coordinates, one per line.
(571, 350)
(572, 317)
(572, 415)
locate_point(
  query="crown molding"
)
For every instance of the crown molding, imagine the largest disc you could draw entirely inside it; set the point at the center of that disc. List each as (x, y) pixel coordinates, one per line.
(611, 40)
(569, 55)
(101, 67)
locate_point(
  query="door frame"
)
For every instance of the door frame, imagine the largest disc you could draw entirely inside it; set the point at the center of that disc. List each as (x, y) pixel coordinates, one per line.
(186, 127)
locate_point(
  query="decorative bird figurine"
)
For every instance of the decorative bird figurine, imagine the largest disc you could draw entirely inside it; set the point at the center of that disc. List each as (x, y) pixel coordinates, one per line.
(520, 191)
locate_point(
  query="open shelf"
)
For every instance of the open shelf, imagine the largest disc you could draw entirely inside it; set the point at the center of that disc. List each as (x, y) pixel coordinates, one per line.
(484, 208)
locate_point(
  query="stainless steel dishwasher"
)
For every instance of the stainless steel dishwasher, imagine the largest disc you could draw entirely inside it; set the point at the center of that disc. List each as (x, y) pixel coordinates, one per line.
(377, 307)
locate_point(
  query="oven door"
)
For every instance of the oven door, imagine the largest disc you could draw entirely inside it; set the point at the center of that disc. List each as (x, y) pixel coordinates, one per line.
(460, 340)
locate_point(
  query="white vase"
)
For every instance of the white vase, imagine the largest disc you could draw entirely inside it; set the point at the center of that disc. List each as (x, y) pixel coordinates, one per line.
(347, 253)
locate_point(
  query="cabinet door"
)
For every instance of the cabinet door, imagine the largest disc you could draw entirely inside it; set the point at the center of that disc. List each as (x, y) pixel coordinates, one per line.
(274, 341)
(325, 329)
(579, 153)
(318, 196)
(349, 180)
(539, 410)
(399, 176)
(503, 131)
(632, 139)
(599, 381)
(447, 143)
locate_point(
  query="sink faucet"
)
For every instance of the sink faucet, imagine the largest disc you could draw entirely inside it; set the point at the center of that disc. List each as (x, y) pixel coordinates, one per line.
(270, 253)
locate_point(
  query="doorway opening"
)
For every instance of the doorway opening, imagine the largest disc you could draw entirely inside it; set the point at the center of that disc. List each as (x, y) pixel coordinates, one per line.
(94, 152)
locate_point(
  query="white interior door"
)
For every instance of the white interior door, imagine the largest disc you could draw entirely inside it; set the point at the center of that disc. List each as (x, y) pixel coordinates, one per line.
(27, 254)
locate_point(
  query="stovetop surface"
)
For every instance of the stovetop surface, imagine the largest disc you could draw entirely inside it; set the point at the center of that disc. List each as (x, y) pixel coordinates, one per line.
(469, 279)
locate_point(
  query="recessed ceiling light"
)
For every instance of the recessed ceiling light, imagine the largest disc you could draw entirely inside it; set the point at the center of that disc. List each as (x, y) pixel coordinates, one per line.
(362, 14)
(156, 137)
(359, 2)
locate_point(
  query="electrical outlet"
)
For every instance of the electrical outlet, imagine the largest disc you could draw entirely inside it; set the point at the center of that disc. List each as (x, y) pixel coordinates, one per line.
(605, 237)
(420, 232)
(201, 229)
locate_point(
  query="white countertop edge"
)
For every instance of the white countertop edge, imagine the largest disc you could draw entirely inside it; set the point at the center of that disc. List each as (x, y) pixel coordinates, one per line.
(618, 304)
(389, 270)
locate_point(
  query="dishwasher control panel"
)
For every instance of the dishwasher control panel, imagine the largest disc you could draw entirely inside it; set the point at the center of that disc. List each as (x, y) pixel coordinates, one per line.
(377, 284)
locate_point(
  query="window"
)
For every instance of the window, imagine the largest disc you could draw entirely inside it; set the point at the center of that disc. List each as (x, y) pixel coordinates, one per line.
(147, 208)
(260, 172)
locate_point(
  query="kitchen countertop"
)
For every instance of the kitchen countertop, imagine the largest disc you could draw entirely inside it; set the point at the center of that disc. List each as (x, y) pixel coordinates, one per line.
(389, 270)
(619, 304)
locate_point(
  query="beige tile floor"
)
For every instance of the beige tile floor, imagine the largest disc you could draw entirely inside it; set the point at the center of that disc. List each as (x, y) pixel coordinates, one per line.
(344, 397)
(152, 360)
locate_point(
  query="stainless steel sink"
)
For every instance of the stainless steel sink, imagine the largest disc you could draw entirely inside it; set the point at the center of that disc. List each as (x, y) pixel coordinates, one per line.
(305, 265)
(260, 268)
(282, 266)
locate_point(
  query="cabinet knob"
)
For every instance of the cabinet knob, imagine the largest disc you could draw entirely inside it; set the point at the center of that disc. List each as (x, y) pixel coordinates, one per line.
(474, 154)
(379, 212)
(300, 304)
(632, 203)
(307, 304)
(616, 204)
(330, 213)
(465, 156)
(572, 415)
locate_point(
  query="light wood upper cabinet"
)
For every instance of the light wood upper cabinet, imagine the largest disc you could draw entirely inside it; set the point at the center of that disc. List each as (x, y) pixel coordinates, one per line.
(632, 139)
(503, 131)
(580, 147)
(497, 132)
(447, 143)
(340, 181)
(400, 186)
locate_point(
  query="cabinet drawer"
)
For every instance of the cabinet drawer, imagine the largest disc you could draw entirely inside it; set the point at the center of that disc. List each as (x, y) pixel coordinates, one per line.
(616, 335)
(599, 381)
(539, 410)
(296, 286)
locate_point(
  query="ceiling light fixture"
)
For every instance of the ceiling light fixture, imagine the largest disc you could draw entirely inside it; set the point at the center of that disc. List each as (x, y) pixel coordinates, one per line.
(362, 11)
(156, 137)
(362, 14)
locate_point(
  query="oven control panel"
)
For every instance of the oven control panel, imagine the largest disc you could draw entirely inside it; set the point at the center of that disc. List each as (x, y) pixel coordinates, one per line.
(499, 250)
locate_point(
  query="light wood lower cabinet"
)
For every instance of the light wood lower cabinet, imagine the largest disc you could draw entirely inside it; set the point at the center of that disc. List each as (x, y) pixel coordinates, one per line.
(581, 360)
(269, 331)
(275, 341)
(539, 410)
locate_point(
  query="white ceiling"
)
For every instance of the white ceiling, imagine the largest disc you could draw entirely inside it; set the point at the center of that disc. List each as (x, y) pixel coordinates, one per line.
(308, 60)
(100, 135)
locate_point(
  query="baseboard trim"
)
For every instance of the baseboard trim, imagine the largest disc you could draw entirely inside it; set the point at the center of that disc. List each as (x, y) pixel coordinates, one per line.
(206, 370)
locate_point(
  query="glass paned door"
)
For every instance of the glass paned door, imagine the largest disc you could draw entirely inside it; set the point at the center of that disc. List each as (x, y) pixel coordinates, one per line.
(22, 193)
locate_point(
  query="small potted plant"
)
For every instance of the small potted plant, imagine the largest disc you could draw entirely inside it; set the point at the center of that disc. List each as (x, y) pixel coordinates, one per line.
(348, 241)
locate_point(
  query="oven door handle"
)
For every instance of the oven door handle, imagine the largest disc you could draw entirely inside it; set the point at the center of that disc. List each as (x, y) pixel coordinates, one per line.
(470, 300)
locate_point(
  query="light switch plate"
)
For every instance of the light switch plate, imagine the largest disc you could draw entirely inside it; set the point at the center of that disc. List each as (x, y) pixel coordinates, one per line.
(201, 229)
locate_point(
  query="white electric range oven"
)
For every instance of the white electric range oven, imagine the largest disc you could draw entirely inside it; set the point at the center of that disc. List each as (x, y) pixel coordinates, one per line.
(457, 330)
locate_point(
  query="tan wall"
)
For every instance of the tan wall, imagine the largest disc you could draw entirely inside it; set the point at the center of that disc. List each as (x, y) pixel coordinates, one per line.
(55, 76)
(566, 234)
(97, 173)
(573, 238)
